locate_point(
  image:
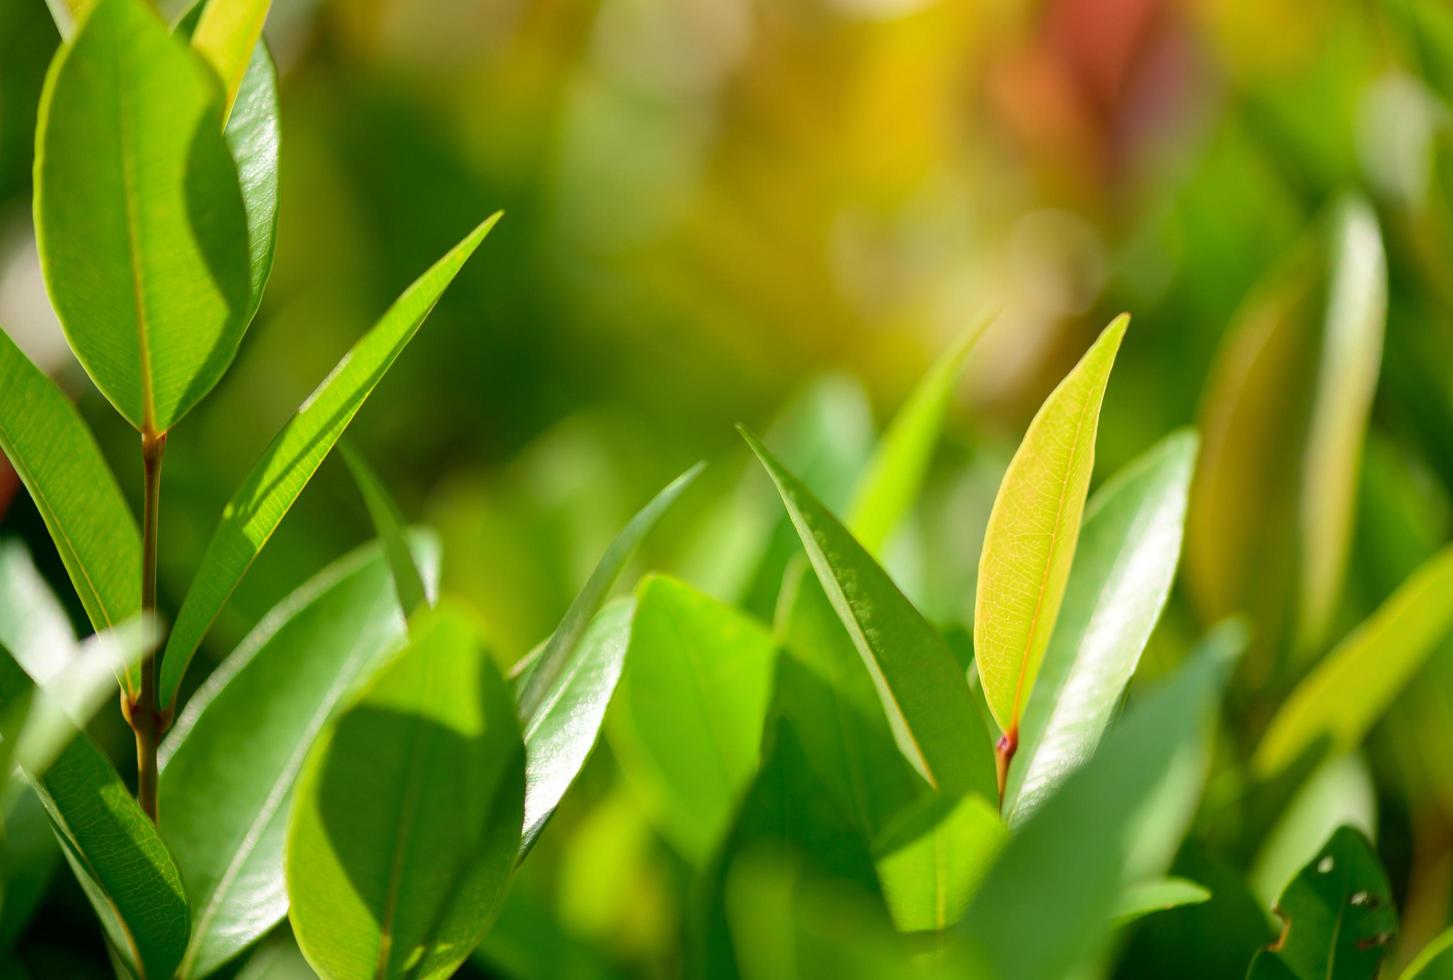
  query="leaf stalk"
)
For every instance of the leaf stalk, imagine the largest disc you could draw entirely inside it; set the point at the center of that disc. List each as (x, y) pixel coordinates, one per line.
(142, 713)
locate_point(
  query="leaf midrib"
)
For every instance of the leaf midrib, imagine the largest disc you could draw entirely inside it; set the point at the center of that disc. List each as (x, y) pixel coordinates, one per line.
(138, 292)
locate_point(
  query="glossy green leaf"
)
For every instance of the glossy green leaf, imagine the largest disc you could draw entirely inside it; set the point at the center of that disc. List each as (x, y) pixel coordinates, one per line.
(1346, 379)
(895, 474)
(1338, 919)
(923, 692)
(139, 216)
(687, 723)
(389, 525)
(227, 35)
(60, 464)
(294, 455)
(1065, 865)
(273, 694)
(1029, 544)
(563, 732)
(553, 661)
(1157, 895)
(1352, 686)
(120, 860)
(1434, 961)
(1126, 560)
(406, 822)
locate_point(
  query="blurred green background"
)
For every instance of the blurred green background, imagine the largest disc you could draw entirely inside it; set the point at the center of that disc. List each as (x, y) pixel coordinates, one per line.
(778, 212)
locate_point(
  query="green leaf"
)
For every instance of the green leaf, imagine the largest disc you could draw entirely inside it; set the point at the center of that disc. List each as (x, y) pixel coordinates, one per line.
(294, 455)
(406, 823)
(139, 216)
(1124, 566)
(1065, 864)
(923, 692)
(389, 525)
(562, 733)
(1338, 919)
(227, 35)
(1030, 541)
(60, 464)
(931, 861)
(553, 661)
(33, 625)
(1353, 685)
(687, 725)
(895, 474)
(1157, 895)
(120, 860)
(1346, 379)
(1435, 961)
(273, 694)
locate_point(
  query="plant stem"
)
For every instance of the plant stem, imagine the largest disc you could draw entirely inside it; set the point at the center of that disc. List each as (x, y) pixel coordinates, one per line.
(145, 718)
(1003, 755)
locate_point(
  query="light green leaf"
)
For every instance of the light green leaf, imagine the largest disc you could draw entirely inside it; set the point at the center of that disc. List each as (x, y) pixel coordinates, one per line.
(406, 822)
(895, 474)
(562, 733)
(66, 13)
(139, 216)
(33, 625)
(1157, 895)
(120, 860)
(227, 36)
(548, 666)
(60, 464)
(930, 863)
(1346, 379)
(924, 694)
(1123, 569)
(294, 455)
(1066, 863)
(273, 694)
(1030, 541)
(389, 525)
(1435, 961)
(688, 722)
(1338, 916)
(1353, 685)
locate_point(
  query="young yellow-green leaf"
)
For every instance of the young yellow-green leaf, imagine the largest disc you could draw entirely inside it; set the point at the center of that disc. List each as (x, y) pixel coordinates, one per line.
(922, 689)
(294, 455)
(1157, 895)
(895, 475)
(60, 464)
(408, 583)
(139, 216)
(226, 36)
(1434, 961)
(1338, 916)
(121, 862)
(274, 693)
(1353, 685)
(1065, 865)
(406, 821)
(1346, 379)
(1030, 541)
(1124, 566)
(688, 721)
(548, 667)
(560, 736)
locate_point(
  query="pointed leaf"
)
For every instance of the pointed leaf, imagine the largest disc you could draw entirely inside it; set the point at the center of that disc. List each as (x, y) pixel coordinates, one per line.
(406, 823)
(273, 694)
(1124, 566)
(139, 216)
(1030, 541)
(560, 737)
(60, 464)
(1157, 895)
(1346, 379)
(1347, 692)
(1338, 919)
(226, 36)
(923, 692)
(389, 525)
(688, 722)
(1065, 864)
(294, 455)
